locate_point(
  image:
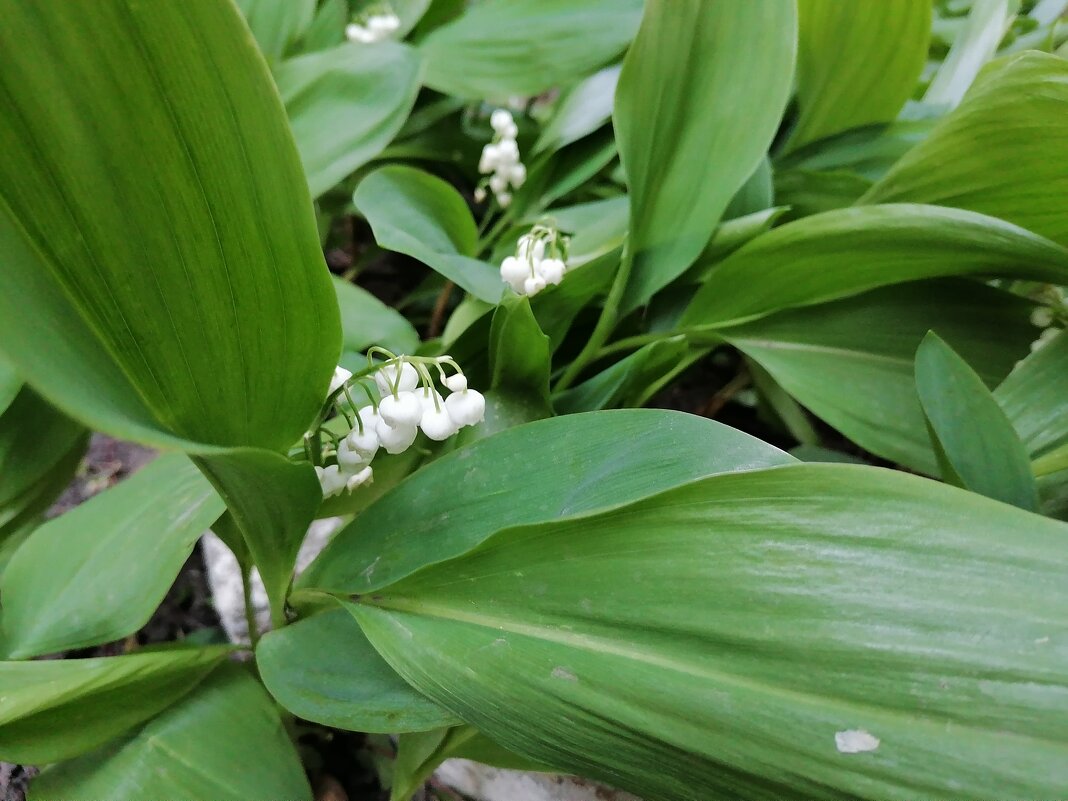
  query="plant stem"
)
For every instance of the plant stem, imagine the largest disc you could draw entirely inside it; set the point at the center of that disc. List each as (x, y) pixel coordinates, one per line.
(434, 326)
(250, 611)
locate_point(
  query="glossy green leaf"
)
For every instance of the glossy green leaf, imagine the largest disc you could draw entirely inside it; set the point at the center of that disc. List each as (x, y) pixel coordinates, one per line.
(603, 459)
(857, 63)
(98, 572)
(841, 253)
(835, 658)
(277, 24)
(851, 362)
(999, 152)
(367, 321)
(222, 741)
(523, 47)
(583, 109)
(808, 192)
(520, 358)
(189, 279)
(346, 104)
(969, 430)
(689, 131)
(976, 44)
(57, 709)
(625, 383)
(415, 213)
(323, 669)
(1035, 397)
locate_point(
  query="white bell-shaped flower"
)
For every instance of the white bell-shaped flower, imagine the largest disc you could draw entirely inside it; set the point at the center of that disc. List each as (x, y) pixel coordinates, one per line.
(437, 423)
(517, 175)
(498, 184)
(533, 285)
(466, 408)
(331, 480)
(489, 159)
(341, 375)
(507, 152)
(514, 272)
(456, 383)
(396, 439)
(402, 409)
(500, 120)
(504, 199)
(366, 442)
(551, 270)
(364, 476)
(349, 459)
(359, 34)
(386, 376)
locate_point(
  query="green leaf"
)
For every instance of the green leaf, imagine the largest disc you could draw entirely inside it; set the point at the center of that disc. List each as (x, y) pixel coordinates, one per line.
(10, 384)
(415, 213)
(523, 47)
(520, 359)
(857, 63)
(323, 669)
(969, 428)
(689, 132)
(824, 615)
(57, 709)
(755, 195)
(222, 741)
(581, 110)
(181, 293)
(851, 362)
(976, 44)
(999, 152)
(276, 24)
(844, 252)
(1035, 398)
(96, 573)
(346, 104)
(605, 458)
(272, 501)
(367, 321)
(808, 192)
(328, 27)
(627, 382)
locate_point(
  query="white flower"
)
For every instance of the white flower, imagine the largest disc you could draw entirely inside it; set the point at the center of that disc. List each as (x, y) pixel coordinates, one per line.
(365, 476)
(489, 159)
(517, 175)
(480, 194)
(504, 199)
(501, 120)
(384, 378)
(349, 459)
(1044, 338)
(396, 439)
(437, 423)
(1042, 317)
(533, 285)
(456, 383)
(551, 270)
(341, 375)
(498, 184)
(507, 152)
(359, 34)
(402, 409)
(331, 480)
(467, 407)
(383, 24)
(514, 272)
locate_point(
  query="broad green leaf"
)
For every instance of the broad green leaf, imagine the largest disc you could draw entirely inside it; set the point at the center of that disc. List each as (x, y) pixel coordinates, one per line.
(857, 63)
(834, 656)
(272, 501)
(987, 24)
(277, 24)
(808, 192)
(523, 47)
(840, 253)
(568, 170)
(730, 236)
(969, 430)
(627, 382)
(346, 104)
(583, 109)
(415, 213)
(755, 195)
(98, 572)
(1035, 398)
(520, 358)
(689, 131)
(189, 277)
(851, 362)
(323, 669)
(10, 383)
(603, 459)
(367, 321)
(222, 741)
(999, 152)
(57, 709)
(327, 29)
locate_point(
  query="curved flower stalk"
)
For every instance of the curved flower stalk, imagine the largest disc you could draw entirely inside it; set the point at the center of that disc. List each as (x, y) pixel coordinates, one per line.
(500, 160)
(407, 402)
(540, 260)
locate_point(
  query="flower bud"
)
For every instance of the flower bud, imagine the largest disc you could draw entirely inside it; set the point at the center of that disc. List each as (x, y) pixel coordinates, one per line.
(384, 378)
(341, 375)
(365, 443)
(359, 34)
(501, 120)
(507, 152)
(490, 159)
(504, 199)
(402, 409)
(466, 408)
(498, 183)
(456, 383)
(517, 175)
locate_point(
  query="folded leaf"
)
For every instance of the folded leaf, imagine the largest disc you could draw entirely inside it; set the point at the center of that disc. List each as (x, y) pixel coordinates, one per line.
(57, 709)
(689, 132)
(98, 572)
(970, 432)
(1035, 397)
(844, 252)
(597, 461)
(222, 741)
(834, 657)
(323, 669)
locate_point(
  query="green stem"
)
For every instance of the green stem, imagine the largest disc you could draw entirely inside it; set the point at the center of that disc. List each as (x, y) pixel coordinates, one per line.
(250, 611)
(605, 323)
(495, 230)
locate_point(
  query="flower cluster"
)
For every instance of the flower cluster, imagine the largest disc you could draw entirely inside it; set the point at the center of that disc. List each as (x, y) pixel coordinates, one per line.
(406, 403)
(1045, 316)
(500, 160)
(374, 26)
(540, 259)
